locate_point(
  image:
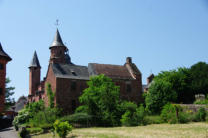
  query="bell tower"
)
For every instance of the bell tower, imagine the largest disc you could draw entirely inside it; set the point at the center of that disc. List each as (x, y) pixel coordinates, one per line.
(59, 51)
(34, 74)
(4, 59)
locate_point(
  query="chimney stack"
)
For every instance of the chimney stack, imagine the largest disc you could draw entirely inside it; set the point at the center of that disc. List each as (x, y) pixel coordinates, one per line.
(128, 60)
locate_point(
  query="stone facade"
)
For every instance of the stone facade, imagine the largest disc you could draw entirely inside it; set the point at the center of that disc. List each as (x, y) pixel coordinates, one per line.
(4, 59)
(69, 80)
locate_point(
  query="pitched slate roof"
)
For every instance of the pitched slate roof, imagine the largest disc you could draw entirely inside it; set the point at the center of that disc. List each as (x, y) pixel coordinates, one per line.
(112, 71)
(4, 54)
(35, 62)
(57, 41)
(70, 71)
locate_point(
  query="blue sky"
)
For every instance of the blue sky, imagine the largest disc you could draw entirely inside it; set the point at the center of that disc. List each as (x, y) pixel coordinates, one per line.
(157, 34)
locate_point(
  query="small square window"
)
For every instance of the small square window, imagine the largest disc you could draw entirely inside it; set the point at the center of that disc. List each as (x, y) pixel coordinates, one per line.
(1, 66)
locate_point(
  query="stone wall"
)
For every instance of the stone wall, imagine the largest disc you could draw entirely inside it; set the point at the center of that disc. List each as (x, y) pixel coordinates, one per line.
(194, 107)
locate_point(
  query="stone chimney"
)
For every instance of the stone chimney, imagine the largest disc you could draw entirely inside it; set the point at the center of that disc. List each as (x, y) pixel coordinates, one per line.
(128, 60)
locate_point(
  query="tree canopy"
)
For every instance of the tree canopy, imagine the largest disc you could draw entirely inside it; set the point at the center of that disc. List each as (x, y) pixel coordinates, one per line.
(178, 86)
(9, 91)
(101, 99)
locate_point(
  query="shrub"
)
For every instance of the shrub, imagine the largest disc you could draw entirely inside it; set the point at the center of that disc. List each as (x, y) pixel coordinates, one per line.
(81, 109)
(205, 101)
(35, 107)
(34, 130)
(62, 128)
(23, 117)
(48, 116)
(173, 114)
(201, 114)
(133, 116)
(78, 118)
(156, 119)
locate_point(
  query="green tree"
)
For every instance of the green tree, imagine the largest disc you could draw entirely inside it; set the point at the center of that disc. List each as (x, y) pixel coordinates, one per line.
(101, 100)
(159, 94)
(9, 91)
(50, 95)
(199, 72)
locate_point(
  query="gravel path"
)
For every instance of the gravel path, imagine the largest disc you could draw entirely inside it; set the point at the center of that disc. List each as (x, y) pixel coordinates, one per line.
(8, 133)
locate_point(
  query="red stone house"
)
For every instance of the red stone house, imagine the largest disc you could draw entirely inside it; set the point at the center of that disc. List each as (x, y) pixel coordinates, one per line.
(4, 59)
(68, 80)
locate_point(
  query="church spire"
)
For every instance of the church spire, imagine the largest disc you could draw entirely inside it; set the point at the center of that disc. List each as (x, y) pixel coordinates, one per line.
(4, 54)
(57, 40)
(35, 62)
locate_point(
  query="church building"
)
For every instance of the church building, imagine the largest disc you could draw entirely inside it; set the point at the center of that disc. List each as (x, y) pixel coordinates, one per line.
(68, 80)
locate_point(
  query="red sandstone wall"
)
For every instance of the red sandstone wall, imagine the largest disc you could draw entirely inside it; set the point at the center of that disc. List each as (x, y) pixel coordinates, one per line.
(2, 84)
(34, 80)
(50, 78)
(135, 95)
(65, 95)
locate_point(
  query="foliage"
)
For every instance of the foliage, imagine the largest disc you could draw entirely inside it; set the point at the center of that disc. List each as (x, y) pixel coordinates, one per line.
(23, 117)
(78, 118)
(173, 114)
(102, 100)
(81, 109)
(34, 107)
(34, 130)
(155, 119)
(159, 94)
(9, 91)
(204, 101)
(133, 116)
(201, 114)
(62, 128)
(176, 84)
(50, 95)
(199, 73)
(43, 118)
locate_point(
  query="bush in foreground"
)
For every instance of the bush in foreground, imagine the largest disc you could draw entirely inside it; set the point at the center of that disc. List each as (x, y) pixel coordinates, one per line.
(173, 114)
(201, 115)
(62, 128)
(81, 119)
(134, 115)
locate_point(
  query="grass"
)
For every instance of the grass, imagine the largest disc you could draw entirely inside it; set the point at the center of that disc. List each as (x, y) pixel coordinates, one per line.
(191, 130)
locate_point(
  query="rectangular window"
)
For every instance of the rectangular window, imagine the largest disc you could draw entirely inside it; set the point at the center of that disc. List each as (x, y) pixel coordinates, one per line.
(128, 86)
(1, 66)
(73, 105)
(1, 91)
(73, 86)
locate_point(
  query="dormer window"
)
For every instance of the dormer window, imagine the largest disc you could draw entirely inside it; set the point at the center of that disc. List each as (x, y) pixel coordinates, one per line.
(73, 73)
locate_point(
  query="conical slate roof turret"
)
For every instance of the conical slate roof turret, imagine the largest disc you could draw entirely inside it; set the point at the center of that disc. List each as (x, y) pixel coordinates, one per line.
(4, 54)
(35, 62)
(57, 40)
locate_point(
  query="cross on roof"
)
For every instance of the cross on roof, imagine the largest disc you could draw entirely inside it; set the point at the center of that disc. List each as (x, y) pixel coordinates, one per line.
(57, 23)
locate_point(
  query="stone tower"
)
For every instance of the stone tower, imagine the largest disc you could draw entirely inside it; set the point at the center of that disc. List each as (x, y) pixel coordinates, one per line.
(59, 52)
(4, 59)
(34, 75)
